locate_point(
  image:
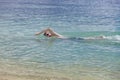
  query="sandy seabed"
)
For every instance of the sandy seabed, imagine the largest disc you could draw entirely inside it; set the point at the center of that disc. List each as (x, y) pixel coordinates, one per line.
(13, 71)
(16, 71)
(29, 77)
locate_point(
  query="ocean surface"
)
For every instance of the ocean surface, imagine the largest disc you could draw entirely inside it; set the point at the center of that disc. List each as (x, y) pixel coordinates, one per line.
(22, 53)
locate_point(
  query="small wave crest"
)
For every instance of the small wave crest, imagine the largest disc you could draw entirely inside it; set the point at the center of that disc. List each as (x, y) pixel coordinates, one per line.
(114, 37)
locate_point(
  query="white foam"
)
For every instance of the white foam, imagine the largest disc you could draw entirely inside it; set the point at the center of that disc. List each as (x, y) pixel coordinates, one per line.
(115, 37)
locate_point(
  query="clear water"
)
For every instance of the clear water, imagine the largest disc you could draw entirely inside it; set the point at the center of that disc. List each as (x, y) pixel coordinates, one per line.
(75, 59)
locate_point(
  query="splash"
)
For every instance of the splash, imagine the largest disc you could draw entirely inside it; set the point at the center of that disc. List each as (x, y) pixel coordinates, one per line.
(114, 37)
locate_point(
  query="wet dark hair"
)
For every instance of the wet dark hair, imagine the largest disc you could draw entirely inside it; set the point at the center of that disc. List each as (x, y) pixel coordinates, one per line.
(46, 34)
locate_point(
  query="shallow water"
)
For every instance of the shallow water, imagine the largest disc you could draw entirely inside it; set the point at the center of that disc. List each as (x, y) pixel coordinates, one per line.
(68, 59)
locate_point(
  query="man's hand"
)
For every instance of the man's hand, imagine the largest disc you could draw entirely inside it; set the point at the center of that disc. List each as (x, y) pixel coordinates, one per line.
(37, 33)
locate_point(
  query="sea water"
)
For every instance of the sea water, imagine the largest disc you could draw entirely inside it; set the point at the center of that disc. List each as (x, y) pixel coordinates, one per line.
(25, 55)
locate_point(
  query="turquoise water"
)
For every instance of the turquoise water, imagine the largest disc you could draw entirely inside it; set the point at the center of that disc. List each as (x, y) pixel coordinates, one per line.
(81, 59)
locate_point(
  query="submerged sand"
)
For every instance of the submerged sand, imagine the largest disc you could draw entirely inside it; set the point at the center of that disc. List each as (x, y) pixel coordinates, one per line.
(15, 71)
(29, 77)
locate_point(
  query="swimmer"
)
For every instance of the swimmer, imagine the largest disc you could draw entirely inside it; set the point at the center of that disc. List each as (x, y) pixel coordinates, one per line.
(50, 33)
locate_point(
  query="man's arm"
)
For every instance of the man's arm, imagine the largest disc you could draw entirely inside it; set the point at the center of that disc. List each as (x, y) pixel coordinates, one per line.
(40, 32)
(53, 33)
(45, 30)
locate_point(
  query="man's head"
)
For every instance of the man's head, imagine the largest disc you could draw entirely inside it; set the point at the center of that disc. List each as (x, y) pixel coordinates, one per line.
(47, 34)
